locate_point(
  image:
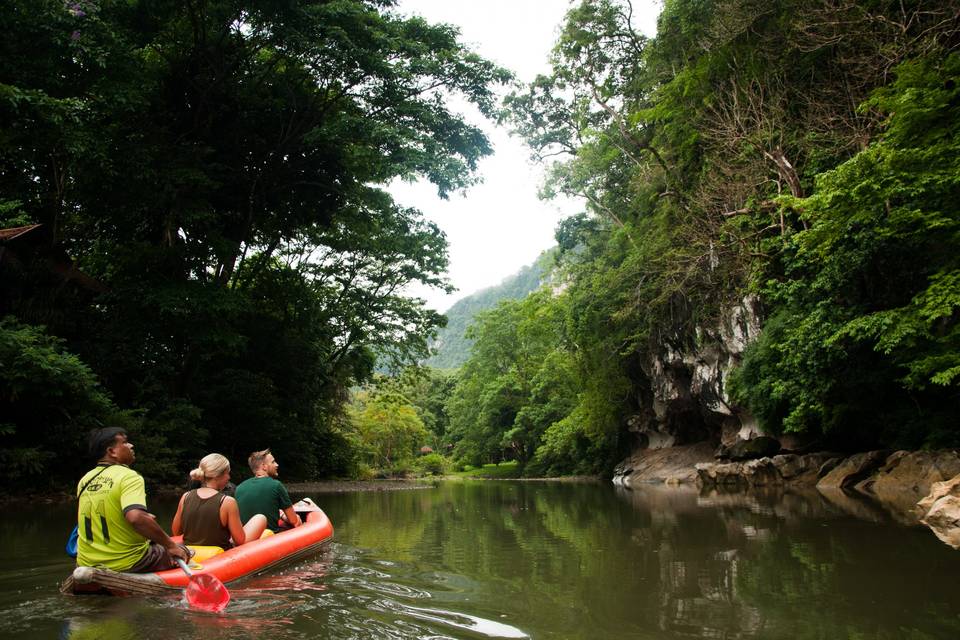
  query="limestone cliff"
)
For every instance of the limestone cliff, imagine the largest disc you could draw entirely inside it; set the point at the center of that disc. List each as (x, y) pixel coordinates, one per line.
(682, 397)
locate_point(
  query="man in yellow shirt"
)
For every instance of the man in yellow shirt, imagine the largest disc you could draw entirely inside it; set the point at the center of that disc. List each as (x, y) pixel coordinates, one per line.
(116, 530)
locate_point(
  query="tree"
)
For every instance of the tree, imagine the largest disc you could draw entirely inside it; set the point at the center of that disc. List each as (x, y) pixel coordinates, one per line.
(865, 346)
(49, 400)
(390, 431)
(518, 381)
(219, 166)
(741, 152)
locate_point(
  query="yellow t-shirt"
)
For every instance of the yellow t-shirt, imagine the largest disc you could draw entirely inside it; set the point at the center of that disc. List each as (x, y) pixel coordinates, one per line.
(106, 538)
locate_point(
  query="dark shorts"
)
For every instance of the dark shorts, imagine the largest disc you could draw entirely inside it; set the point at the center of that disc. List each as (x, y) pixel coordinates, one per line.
(155, 559)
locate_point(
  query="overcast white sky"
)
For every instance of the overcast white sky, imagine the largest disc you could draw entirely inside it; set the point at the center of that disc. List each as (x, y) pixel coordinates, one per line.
(499, 225)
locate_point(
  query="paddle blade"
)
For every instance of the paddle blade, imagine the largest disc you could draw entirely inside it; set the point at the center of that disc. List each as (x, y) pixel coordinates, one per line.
(207, 592)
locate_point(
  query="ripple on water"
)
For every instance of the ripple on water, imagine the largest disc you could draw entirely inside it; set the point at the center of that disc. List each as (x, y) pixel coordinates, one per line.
(451, 620)
(347, 594)
(359, 570)
(479, 626)
(398, 590)
(373, 603)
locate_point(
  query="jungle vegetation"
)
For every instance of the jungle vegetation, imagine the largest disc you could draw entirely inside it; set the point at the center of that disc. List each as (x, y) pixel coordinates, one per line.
(451, 348)
(216, 170)
(800, 153)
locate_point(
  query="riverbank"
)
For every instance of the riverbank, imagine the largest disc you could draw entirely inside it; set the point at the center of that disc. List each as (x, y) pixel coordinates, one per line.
(310, 488)
(347, 486)
(325, 486)
(911, 487)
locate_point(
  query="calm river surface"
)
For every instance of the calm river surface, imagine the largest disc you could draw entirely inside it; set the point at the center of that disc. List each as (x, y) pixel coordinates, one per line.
(495, 559)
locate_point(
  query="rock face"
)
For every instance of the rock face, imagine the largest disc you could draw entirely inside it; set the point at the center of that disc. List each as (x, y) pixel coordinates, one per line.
(759, 447)
(673, 465)
(906, 477)
(852, 470)
(805, 469)
(939, 490)
(684, 412)
(682, 399)
(764, 472)
(942, 509)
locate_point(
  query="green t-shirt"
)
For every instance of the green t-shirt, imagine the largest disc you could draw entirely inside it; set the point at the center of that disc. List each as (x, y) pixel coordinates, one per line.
(106, 538)
(262, 495)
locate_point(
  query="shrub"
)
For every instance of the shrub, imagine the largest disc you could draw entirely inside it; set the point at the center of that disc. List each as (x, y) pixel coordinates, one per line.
(433, 464)
(365, 472)
(49, 401)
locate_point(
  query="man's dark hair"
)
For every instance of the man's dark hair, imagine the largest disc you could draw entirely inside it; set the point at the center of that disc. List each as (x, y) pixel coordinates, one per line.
(103, 439)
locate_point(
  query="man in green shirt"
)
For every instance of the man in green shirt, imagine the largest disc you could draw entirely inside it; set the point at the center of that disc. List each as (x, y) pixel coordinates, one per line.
(263, 493)
(116, 530)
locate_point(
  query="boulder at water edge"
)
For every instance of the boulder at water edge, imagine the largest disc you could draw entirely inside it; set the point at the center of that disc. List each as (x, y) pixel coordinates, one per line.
(759, 447)
(852, 470)
(906, 477)
(943, 511)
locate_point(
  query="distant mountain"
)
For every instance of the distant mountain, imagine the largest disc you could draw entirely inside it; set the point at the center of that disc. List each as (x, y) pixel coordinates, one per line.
(452, 346)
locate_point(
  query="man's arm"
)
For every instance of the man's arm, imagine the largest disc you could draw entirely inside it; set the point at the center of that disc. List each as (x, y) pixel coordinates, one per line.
(146, 525)
(133, 500)
(291, 517)
(287, 512)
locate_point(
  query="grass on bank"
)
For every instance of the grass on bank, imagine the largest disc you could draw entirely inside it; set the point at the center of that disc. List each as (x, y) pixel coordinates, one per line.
(438, 466)
(503, 470)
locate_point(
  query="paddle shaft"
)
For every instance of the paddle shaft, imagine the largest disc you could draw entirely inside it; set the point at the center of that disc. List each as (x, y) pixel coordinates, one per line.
(183, 565)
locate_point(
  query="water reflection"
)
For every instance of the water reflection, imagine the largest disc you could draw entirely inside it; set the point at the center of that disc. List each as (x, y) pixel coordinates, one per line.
(513, 559)
(110, 628)
(793, 564)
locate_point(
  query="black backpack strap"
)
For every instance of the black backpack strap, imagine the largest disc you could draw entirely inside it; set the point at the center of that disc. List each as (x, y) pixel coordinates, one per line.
(87, 484)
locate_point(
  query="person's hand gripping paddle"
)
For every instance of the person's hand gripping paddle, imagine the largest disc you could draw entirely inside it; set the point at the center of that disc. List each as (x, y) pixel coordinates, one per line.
(205, 591)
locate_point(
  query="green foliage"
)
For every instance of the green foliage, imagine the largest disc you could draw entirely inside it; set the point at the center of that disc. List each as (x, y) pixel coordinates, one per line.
(526, 389)
(452, 346)
(389, 431)
(500, 471)
(11, 215)
(433, 464)
(426, 390)
(49, 401)
(868, 337)
(487, 415)
(220, 168)
(760, 148)
(586, 440)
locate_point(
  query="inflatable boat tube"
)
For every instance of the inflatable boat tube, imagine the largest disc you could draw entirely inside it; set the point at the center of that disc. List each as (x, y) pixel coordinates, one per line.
(231, 565)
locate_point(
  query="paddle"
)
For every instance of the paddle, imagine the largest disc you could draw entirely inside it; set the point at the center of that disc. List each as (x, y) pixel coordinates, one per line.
(205, 591)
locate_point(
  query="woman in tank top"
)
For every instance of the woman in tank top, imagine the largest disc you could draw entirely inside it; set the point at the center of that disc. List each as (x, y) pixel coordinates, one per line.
(205, 516)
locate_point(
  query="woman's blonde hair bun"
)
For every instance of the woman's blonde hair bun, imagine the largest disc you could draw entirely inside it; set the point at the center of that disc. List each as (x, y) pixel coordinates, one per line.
(212, 465)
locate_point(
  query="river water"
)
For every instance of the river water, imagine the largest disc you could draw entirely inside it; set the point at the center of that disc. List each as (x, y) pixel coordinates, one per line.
(507, 559)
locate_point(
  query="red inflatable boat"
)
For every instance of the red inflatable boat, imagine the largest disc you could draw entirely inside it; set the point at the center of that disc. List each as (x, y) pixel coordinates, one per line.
(254, 557)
